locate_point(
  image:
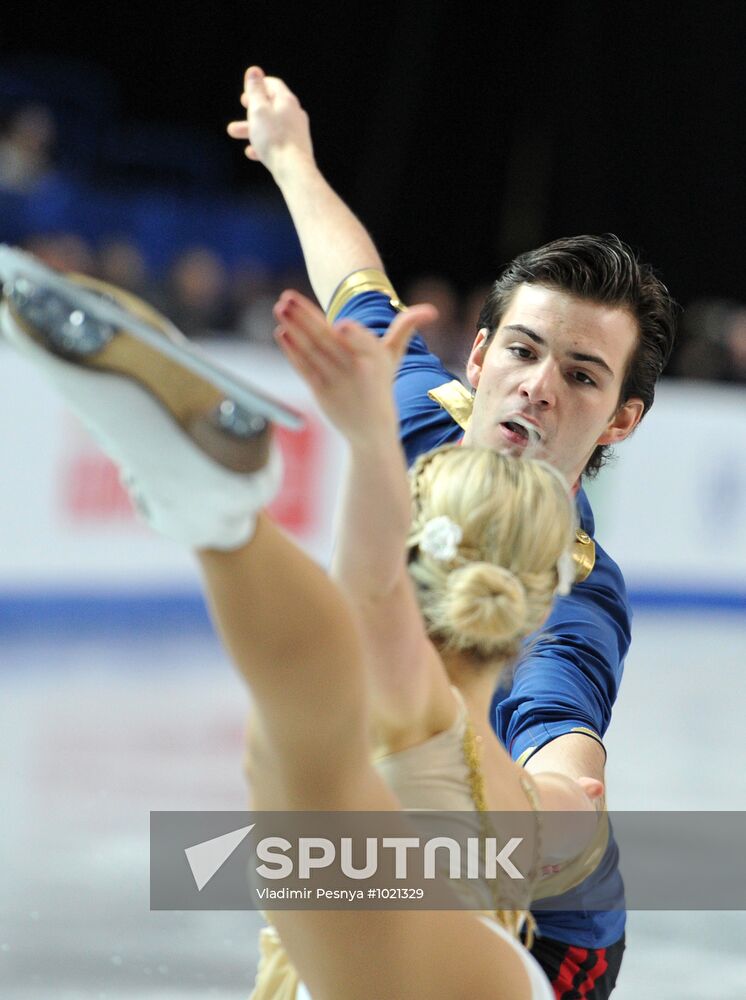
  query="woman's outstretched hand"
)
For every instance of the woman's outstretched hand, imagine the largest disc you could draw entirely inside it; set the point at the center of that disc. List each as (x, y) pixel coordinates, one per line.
(349, 370)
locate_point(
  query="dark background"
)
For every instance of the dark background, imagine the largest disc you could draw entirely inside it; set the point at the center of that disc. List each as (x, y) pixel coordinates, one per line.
(459, 134)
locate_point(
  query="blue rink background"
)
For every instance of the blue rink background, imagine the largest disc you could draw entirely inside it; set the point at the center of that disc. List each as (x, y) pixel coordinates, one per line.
(100, 725)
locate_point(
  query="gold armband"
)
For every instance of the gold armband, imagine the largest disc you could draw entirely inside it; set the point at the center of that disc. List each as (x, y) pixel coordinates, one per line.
(369, 279)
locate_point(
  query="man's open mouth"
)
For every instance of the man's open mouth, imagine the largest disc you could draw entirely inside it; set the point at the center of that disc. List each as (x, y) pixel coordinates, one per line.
(521, 432)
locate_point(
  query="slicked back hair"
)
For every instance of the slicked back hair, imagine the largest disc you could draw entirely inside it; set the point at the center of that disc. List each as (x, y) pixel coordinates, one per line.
(605, 270)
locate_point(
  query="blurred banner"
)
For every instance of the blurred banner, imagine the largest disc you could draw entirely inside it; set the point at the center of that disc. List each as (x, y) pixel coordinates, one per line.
(69, 534)
(671, 508)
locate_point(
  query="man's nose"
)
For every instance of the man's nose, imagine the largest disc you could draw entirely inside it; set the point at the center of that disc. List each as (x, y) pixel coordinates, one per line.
(539, 386)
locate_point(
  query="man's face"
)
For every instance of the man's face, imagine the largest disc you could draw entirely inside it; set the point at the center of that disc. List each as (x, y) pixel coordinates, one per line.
(548, 384)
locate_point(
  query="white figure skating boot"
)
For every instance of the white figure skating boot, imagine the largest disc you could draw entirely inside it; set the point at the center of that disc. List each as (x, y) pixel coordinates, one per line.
(193, 442)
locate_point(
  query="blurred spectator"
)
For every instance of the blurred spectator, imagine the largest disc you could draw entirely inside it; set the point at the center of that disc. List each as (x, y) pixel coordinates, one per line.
(446, 337)
(26, 149)
(121, 262)
(66, 252)
(259, 292)
(195, 295)
(713, 343)
(253, 291)
(473, 308)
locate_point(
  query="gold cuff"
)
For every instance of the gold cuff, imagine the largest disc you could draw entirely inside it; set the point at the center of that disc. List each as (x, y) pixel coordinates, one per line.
(528, 753)
(369, 279)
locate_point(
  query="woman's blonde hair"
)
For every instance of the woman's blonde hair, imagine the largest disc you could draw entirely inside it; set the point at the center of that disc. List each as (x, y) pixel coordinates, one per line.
(515, 518)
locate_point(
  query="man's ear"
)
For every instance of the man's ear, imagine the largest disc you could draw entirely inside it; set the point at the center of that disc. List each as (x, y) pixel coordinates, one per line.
(624, 421)
(476, 357)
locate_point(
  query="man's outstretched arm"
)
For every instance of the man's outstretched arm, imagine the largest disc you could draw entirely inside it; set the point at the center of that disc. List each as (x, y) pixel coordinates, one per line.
(334, 241)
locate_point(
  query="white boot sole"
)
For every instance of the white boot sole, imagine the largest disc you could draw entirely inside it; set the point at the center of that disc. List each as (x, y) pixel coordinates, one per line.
(155, 405)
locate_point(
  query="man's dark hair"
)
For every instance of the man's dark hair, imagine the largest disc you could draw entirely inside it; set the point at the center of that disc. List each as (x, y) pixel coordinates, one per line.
(601, 269)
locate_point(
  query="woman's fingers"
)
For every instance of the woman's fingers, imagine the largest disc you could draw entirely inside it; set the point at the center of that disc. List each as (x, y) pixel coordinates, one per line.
(329, 352)
(300, 359)
(401, 330)
(310, 332)
(353, 338)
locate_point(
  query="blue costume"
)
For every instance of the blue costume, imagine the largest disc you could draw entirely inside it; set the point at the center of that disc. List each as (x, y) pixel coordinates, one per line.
(567, 681)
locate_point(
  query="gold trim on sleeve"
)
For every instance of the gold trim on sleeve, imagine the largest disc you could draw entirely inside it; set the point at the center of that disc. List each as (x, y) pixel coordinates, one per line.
(587, 731)
(369, 279)
(527, 753)
(523, 758)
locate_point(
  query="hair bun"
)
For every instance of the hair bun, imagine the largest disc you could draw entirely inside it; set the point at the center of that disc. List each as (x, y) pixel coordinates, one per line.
(485, 603)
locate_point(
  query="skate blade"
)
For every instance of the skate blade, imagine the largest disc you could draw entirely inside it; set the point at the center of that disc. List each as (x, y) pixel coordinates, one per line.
(98, 326)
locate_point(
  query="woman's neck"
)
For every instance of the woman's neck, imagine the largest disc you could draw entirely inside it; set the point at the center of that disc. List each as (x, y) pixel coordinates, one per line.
(475, 679)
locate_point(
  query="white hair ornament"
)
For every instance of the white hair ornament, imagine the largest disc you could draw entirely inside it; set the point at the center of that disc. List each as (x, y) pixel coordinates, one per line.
(566, 573)
(440, 538)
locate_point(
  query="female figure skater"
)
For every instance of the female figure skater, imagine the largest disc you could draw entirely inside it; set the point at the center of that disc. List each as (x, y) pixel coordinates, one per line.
(480, 543)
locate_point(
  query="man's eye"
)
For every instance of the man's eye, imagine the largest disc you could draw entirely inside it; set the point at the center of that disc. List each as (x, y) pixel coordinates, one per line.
(520, 352)
(583, 378)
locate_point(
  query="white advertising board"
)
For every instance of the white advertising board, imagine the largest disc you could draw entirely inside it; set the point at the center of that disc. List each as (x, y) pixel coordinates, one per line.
(67, 521)
(671, 507)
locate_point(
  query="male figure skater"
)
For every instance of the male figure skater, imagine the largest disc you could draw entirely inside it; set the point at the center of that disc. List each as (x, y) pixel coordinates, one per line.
(571, 341)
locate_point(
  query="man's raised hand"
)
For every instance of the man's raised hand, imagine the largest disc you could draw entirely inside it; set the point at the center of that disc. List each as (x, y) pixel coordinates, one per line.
(276, 126)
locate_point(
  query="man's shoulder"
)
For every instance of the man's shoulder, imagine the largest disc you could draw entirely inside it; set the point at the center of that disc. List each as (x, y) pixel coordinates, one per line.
(606, 572)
